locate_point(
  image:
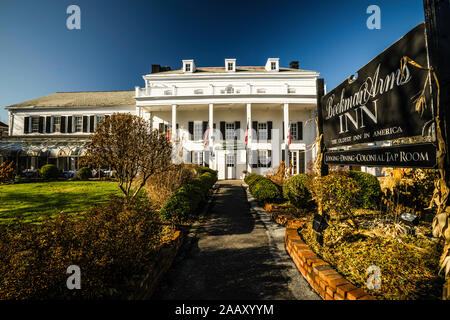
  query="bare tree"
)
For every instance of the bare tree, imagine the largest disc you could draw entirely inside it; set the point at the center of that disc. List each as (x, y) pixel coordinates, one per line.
(129, 145)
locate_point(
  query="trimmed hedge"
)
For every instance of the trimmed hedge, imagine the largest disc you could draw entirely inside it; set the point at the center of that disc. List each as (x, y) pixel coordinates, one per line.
(49, 172)
(188, 198)
(84, 173)
(262, 188)
(295, 190)
(369, 195)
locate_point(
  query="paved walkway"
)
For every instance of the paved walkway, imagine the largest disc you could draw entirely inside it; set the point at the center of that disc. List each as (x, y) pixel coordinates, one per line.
(235, 253)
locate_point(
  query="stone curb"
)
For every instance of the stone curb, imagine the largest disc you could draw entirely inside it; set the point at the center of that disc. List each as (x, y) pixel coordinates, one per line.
(325, 281)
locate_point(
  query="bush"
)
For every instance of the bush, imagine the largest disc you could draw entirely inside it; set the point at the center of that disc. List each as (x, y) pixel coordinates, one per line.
(262, 188)
(160, 187)
(49, 172)
(113, 244)
(337, 193)
(84, 173)
(187, 199)
(295, 190)
(369, 196)
(7, 172)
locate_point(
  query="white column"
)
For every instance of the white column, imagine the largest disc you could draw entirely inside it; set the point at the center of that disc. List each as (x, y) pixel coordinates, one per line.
(211, 123)
(211, 134)
(249, 139)
(174, 122)
(286, 132)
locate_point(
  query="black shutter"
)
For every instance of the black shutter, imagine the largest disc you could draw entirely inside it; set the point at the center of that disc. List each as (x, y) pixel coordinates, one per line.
(69, 124)
(237, 127)
(204, 127)
(283, 132)
(191, 130)
(300, 130)
(222, 129)
(166, 128)
(269, 130)
(255, 130)
(62, 128)
(41, 124)
(254, 158)
(269, 157)
(161, 128)
(85, 124)
(283, 155)
(26, 125)
(48, 121)
(91, 122)
(177, 126)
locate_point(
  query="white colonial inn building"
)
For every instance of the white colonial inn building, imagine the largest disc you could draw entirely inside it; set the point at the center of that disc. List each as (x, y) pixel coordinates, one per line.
(229, 118)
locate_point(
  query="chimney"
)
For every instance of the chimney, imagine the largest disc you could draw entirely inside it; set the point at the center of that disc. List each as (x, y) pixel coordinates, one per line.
(293, 65)
(156, 68)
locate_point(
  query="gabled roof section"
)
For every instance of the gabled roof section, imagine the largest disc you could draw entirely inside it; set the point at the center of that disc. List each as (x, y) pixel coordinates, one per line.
(80, 99)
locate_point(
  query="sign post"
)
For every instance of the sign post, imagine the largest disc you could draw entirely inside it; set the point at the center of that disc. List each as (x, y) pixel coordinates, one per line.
(437, 13)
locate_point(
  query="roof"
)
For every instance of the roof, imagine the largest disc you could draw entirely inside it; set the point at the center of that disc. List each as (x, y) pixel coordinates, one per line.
(78, 99)
(238, 70)
(3, 125)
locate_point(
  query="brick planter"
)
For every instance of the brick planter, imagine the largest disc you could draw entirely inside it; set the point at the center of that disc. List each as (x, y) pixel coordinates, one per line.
(328, 283)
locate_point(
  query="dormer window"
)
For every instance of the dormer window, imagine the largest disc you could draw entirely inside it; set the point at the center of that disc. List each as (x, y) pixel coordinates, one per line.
(230, 65)
(273, 64)
(188, 66)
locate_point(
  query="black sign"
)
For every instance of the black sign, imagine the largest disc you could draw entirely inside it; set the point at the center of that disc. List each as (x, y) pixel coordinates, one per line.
(380, 104)
(421, 155)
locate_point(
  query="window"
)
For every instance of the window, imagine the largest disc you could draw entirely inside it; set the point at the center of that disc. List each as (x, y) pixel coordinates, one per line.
(291, 90)
(78, 121)
(56, 124)
(188, 67)
(98, 119)
(230, 66)
(198, 91)
(229, 131)
(230, 160)
(273, 65)
(197, 157)
(264, 157)
(167, 92)
(293, 131)
(260, 90)
(34, 124)
(262, 130)
(198, 131)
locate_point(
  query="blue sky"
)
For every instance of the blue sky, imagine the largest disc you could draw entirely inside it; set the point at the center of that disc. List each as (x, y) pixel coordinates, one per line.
(119, 39)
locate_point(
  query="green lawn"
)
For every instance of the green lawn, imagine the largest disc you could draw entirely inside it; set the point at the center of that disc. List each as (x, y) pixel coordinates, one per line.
(32, 201)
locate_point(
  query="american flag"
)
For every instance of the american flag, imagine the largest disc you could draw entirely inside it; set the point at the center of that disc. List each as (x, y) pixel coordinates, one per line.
(246, 135)
(206, 137)
(168, 135)
(289, 137)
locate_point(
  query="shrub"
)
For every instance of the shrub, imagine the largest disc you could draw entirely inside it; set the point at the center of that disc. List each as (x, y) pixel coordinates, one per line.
(84, 173)
(49, 172)
(295, 189)
(187, 199)
(160, 187)
(369, 196)
(112, 244)
(337, 193)
(7, 172)
(262, 188)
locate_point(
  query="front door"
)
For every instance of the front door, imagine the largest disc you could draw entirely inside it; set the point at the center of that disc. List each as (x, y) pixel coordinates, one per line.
(230, 164)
